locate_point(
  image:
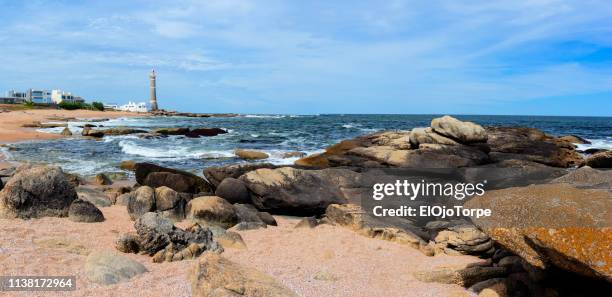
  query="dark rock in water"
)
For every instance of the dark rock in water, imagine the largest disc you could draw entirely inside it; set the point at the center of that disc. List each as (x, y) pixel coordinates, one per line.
(233, 190)
(267, 218)
(211, 210)
(574, 139)
(122, 131)
(551, 225)
(66, 132)
(247, 213)
(532, 145)
(84, 211)
(213, 273)
(87, 131)
(37, 191)
(171, 131)
(600, 160)
(194, 133)
(289, 190)
(592, 151)
(128, 243)
(216, 174)
(181, 181)
(141, 202)
(103, 180)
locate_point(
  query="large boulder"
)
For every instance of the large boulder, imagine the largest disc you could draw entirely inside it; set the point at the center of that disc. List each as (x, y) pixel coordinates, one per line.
(427, 135)
(459, 236)
(170, 203)
(587, 177)
(107, 268)
(353, 217)
(552, 225)
(141, 202)
(600, 160)
(532, 145)
(158, 237)
(84, 211)
(154, 232)
(247, 213)
(574, 139)
(93, 195)
(37, 191)
(291, 190)
(460, 275)
(233, 190)
(181, 181)
(212, 210)
(215, 175)
(427, 156)
(215, 276)
(463, 132)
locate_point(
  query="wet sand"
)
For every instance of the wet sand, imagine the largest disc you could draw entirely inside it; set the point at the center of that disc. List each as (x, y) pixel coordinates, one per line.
(325, 261)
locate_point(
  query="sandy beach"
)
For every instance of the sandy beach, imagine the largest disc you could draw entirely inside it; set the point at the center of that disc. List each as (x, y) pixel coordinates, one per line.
(12, 122)
(356, 265)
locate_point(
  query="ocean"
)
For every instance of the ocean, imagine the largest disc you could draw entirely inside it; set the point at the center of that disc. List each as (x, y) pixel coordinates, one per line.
(274, 134)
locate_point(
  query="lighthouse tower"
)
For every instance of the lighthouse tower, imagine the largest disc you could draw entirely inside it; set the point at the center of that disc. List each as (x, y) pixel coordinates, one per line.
(153, 100)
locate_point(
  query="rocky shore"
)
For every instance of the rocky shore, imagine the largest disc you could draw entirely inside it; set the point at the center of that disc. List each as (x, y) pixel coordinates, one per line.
(549, 235)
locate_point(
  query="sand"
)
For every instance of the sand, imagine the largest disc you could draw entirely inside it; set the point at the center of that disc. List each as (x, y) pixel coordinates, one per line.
(12, 121)
(325, 261)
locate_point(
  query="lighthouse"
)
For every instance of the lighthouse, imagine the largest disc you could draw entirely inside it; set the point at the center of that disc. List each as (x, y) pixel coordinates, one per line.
(153, 100)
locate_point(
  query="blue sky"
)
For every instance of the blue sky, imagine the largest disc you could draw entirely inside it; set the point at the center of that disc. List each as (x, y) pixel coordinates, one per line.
(547, 57)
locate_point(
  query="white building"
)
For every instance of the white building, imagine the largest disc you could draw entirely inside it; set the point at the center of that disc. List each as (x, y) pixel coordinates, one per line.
(58, 96)
(39, 96)
(134, 107)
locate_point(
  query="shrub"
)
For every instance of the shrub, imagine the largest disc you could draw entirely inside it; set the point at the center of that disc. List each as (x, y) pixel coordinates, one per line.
(70, 105)
(97, 106)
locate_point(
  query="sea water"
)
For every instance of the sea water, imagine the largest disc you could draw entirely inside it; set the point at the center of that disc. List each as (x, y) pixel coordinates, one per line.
(274, 134)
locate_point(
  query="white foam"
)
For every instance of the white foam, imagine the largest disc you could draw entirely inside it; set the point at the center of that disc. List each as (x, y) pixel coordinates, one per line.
(596, 144)
(264, 116)
(174, 152)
